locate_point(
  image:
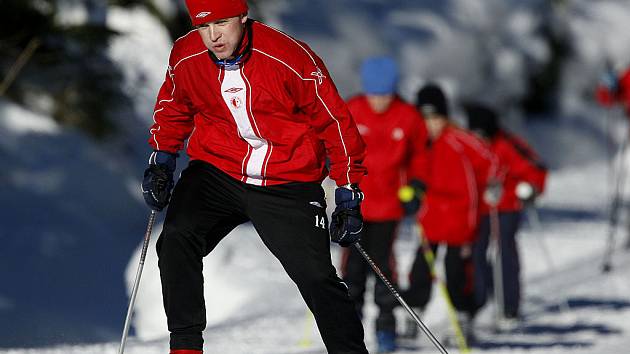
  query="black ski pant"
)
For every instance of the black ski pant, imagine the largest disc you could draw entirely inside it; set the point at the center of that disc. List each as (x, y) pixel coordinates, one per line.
(377, 240)
(206, 205)
(509, 223)
(458, 267)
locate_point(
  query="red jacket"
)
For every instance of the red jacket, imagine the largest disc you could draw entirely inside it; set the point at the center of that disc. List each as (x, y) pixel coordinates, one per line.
(517, 163)
(272, 119)
(395, 142)
(459, 167)
(607, 98)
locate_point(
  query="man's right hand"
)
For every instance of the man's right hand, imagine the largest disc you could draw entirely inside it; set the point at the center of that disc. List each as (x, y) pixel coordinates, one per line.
(158, 180)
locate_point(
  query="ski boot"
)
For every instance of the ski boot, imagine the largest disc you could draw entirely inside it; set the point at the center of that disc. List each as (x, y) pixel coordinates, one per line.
(465, 321)
(386, 341)
(508, 324)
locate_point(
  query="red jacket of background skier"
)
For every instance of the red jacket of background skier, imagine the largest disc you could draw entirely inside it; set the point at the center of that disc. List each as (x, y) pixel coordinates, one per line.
(270, 120)
(459, 166)
(395, 141)
(517, 162)
(617, 91)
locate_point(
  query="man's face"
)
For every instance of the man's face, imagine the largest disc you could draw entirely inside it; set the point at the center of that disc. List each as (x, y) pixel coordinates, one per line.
(223, 36)
(379, 103)
(435, 125)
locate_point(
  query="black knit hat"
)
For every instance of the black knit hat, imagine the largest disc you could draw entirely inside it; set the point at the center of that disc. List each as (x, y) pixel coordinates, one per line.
(431, 100)
(482, 119)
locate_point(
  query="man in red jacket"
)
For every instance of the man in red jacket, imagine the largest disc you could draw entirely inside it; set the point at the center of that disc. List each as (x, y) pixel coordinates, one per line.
(459, 165)
(522, 175)
(261, 114)
(395, 139)
(614, 88)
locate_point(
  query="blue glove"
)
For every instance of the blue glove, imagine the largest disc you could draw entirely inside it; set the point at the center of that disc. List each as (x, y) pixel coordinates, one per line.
(158, 180)
(346, 221)
(609, 81)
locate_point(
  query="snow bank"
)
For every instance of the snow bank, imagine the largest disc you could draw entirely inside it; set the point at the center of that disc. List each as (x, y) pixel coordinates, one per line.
(18, 121)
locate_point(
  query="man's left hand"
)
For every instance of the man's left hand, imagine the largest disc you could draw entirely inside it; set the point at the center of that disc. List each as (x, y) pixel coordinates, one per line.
(346, 222)
(158, 180)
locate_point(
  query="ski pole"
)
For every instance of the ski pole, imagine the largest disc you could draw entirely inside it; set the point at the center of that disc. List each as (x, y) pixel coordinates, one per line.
(306, 340)
(614, 208)
(532, 216)
(609, 157)
(134, 291)
(429, 256)
(411, 312)
(497, 269)
(534, 219)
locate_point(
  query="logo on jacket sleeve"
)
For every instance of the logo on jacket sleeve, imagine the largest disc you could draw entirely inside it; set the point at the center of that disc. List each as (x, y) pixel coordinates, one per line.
(203, 14)
(319, 75)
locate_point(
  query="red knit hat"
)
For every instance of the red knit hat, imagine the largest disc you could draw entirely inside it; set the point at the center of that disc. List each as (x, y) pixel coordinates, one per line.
(202, 11)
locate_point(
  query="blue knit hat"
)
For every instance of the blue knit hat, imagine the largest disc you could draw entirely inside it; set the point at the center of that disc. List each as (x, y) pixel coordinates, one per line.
(379, 75)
